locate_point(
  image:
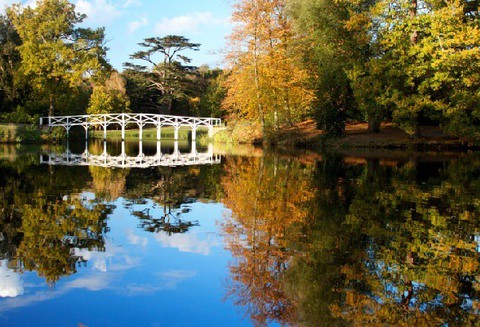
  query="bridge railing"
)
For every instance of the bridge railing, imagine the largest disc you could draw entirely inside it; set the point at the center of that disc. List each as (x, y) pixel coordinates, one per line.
(129, 118)
(140, 119)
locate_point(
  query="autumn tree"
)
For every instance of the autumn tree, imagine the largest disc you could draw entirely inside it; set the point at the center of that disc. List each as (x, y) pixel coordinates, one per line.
(170, 75)
(56, 55)
(265, 83)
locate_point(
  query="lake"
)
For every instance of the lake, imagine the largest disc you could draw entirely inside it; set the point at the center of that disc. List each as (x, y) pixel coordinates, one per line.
(170, 234)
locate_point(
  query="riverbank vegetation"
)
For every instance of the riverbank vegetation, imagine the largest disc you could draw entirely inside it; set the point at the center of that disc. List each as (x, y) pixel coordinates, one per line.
(409, 63)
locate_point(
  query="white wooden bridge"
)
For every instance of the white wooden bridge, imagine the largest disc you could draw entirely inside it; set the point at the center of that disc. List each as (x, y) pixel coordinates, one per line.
(125, 119)
(140, 161)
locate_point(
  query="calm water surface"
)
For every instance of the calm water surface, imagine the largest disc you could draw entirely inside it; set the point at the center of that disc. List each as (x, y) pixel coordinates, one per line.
(169, 235)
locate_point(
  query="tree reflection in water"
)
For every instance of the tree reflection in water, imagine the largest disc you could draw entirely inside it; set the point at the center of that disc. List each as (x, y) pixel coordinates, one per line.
(351, 244)
(42, 226)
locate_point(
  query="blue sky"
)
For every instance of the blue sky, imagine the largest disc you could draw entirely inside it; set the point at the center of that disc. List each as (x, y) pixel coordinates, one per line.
(128, 22)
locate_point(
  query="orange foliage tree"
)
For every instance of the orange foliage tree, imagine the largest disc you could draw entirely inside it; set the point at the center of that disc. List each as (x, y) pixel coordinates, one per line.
(265, 84)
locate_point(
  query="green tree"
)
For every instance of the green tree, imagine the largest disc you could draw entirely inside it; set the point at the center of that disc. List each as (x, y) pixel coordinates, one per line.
(109, 97)
(331, 50)
(9, 64)
(171, 74)
(426, 64)
(56, 55)
(213, 93)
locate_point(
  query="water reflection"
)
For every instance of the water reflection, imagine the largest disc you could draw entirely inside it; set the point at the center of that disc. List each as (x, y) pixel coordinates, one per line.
(342, 240)
(140, 160)
(360, 244)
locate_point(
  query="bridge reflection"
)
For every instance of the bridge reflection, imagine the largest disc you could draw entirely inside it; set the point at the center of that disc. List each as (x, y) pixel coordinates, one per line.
(141, 160)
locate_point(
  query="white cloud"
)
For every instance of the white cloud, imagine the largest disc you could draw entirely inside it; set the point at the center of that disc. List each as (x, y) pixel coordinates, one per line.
(100, 12)
(10, 283)
(135, 25)
(112, 259)
(189, 243)
(96, 282)
(191, 23)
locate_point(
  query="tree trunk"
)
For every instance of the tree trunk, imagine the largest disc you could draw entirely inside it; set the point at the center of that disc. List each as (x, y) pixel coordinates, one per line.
(257, 77)
(413, 13)
(52, 107)
(373, 126)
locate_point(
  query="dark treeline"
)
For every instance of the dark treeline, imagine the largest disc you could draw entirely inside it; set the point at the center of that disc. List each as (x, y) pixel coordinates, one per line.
(50, 65)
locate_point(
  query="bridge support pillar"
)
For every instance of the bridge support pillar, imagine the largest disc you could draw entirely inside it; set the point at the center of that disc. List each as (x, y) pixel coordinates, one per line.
(194, 133)
(86, 131)
(175, 132)
(105, 132)
(140, 132)
(176, 152)
(140, 149)
(210, 131)
(210, 149)
(123, 127)
(159, 132)
(193, 152)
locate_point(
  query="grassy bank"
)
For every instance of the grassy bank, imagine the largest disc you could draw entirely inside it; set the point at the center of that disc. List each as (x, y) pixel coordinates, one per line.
(167, 133)
(29, 134)
(306, 135)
